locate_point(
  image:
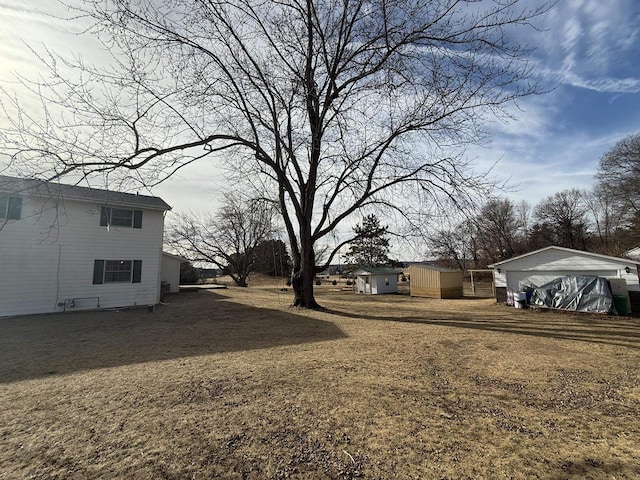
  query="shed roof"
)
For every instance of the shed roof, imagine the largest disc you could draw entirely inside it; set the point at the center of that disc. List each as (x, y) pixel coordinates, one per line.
(175, 257)
(41, 188)
(202, 265)
(428, 266)
(567, 250)
(377, 271)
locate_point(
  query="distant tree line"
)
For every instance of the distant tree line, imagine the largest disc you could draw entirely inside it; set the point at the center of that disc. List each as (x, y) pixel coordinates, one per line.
(238, 239)
(605, 219)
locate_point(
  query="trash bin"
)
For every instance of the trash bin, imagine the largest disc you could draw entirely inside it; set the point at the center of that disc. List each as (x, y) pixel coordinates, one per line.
(520, 299)
(165, 288)
(529, 292)
(620, 301)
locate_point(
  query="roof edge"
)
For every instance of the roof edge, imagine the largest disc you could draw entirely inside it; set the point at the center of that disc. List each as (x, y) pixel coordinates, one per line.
(564, 249)
(43, 189)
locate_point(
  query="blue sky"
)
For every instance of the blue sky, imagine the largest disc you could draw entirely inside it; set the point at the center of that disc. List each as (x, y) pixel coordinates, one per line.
(588, 56)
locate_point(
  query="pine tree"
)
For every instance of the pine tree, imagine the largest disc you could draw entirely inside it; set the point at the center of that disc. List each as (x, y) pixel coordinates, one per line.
(370, 245)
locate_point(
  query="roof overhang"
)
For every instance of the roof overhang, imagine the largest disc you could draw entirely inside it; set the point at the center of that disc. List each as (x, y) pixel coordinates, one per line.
(59, 191)
(568, 250)
(175, 257)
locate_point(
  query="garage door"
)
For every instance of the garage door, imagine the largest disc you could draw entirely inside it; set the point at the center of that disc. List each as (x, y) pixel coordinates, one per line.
(517, 281)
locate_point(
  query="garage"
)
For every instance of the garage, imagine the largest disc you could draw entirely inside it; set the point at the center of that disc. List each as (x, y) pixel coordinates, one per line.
(542, 266)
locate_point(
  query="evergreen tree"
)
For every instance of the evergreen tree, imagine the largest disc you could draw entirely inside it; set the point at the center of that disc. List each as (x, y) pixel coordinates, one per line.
(272, 258)
(370, 245)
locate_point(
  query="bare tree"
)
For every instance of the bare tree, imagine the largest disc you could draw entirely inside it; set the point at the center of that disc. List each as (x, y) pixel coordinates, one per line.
(562, 219)
(500, 230)
(610, 220)
(619, 172)
(229, 238)
(455, 245)
(496, 232)
(616, 199)
(333, 105)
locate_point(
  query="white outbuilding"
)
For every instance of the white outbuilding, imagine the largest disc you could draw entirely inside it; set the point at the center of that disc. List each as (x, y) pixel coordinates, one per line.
(377, 280)
(539, 267)
(170, 272)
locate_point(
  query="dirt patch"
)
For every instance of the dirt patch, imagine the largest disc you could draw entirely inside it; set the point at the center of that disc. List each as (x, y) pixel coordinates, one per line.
(236, 384)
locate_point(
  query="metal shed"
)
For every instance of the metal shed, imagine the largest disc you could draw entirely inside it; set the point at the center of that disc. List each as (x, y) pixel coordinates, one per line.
(435, 282)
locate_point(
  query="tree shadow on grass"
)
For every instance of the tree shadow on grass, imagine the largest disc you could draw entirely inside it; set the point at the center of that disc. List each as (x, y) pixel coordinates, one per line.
(191, 324)
(601, 329)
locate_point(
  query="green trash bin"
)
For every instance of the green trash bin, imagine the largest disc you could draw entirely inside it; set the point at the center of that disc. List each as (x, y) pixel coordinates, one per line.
(620, 301)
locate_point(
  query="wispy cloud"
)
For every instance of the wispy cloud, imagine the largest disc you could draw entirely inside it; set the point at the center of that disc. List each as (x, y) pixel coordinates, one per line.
(592, 44)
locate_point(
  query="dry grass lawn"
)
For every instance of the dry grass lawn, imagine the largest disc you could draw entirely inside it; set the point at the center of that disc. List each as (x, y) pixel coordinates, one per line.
(235, 384)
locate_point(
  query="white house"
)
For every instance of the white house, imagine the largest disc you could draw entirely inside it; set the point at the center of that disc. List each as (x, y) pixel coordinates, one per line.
(544, 265)
(65, 248)
(376, 280)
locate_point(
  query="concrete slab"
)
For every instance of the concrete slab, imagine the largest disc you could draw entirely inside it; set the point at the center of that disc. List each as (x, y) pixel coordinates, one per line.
(196, 288)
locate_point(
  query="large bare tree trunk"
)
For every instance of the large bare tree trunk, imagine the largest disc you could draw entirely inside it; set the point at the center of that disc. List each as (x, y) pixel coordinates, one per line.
(304, 265)
(303, 290)
(333, 106)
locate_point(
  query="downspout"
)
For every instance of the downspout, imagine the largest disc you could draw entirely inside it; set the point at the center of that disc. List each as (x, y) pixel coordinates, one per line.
(58, 276)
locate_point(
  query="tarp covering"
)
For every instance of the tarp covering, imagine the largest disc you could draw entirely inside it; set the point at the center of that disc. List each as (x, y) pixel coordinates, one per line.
(575, 292)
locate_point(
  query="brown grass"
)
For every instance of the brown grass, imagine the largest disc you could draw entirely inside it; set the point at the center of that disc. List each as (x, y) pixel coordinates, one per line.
(235, 384)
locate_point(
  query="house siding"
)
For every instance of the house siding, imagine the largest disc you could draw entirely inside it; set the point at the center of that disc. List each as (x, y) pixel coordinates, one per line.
(48, 256)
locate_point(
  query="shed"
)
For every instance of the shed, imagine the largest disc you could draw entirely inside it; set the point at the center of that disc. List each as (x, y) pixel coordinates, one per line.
(542, 266)
(435, 282)
(206, 269)
(377, 280)
(170, 271)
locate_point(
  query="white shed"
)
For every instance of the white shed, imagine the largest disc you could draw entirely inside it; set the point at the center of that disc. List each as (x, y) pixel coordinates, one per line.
(377, 280)
(542, 266)
(170, 271)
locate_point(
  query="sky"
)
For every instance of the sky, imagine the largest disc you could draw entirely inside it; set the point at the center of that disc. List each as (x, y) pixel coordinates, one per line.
(587, 57)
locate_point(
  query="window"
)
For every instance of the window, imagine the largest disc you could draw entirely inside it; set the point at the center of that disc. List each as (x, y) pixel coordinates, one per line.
(117, 271)
(120, 217)
(10, 208)
(386, 280)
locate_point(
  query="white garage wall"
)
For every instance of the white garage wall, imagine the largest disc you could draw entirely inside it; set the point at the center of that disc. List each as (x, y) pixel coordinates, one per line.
(519, 280)
(547, 264)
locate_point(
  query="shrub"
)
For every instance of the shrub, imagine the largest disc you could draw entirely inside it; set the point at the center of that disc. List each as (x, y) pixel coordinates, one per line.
(318, 282)
(335, 282)
(349, 282)
(188, 274)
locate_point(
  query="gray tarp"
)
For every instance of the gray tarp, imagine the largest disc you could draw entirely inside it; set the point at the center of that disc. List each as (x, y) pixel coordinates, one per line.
(574, 292)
